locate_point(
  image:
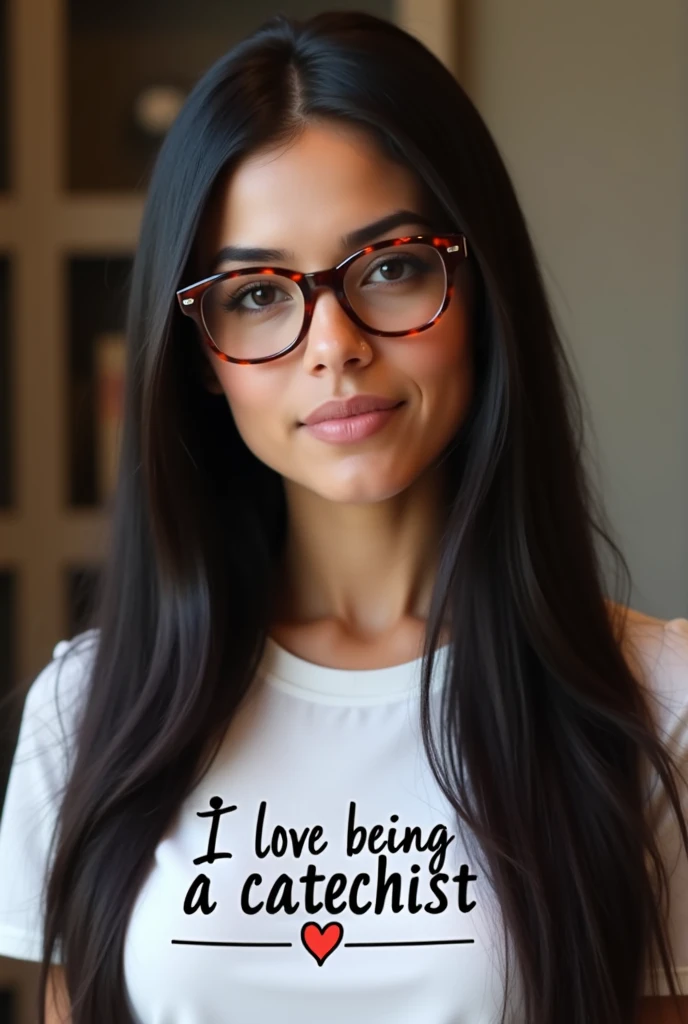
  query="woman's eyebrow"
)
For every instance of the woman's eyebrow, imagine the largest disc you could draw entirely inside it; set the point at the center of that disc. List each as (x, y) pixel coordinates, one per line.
(355, 240)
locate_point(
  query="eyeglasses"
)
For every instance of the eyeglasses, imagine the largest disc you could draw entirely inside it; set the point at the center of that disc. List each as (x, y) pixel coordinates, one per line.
(394, 288)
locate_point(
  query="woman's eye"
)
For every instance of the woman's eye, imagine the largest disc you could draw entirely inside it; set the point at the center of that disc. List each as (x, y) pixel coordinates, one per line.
(396, 266)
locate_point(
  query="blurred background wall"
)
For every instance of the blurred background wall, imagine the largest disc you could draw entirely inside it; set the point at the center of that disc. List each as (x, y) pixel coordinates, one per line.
(589, 106)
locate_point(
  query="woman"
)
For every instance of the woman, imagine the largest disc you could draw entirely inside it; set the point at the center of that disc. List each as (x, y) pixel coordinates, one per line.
(356, 733)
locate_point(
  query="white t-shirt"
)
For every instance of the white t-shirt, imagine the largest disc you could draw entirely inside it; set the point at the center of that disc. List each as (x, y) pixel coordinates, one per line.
(316, 872)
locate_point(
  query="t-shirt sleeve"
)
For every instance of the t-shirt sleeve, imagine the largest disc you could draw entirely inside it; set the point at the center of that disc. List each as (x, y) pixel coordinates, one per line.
(38, 774)
(669, 679)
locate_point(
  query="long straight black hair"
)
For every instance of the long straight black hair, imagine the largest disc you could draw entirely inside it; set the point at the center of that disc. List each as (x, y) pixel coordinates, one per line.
(554, 723)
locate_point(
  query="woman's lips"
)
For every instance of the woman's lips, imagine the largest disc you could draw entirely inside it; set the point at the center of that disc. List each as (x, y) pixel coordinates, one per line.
(352, 428)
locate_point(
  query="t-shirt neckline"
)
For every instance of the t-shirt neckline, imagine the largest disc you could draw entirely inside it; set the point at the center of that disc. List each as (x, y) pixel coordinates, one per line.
(323, 684)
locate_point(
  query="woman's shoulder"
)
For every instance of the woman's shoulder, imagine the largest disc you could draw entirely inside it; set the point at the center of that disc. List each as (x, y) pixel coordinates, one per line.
(656, 650)
(78, 646)
(57, 692)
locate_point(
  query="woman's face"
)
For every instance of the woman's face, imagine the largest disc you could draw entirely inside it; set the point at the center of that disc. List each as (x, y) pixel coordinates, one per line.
(303, 199)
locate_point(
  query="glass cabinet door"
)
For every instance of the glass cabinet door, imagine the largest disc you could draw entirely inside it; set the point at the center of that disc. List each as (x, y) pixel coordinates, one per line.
(130, 64)
(97, 294)
(4, 100)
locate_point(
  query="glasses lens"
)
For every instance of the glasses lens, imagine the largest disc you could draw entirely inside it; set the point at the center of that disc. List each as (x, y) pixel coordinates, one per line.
(253, 315)
(398, 288)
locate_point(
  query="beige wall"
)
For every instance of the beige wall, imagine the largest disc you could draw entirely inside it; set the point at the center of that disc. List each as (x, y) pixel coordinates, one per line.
(588, 102)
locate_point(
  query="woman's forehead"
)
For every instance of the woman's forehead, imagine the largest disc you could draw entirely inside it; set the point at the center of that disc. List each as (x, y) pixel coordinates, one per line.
(287, 199)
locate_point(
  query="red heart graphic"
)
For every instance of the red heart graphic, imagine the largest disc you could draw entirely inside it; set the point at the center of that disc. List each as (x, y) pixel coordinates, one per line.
(320, 942)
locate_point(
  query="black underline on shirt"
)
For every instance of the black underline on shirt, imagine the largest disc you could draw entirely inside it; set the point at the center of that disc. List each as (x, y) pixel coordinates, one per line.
(204, 942)
(410, 942)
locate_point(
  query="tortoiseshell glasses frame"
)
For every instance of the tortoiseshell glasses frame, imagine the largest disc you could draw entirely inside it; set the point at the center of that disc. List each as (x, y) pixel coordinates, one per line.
(453, 248)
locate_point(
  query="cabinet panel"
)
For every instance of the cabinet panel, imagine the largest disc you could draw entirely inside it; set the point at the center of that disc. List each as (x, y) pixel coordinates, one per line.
(97, 294)
(6, 394)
